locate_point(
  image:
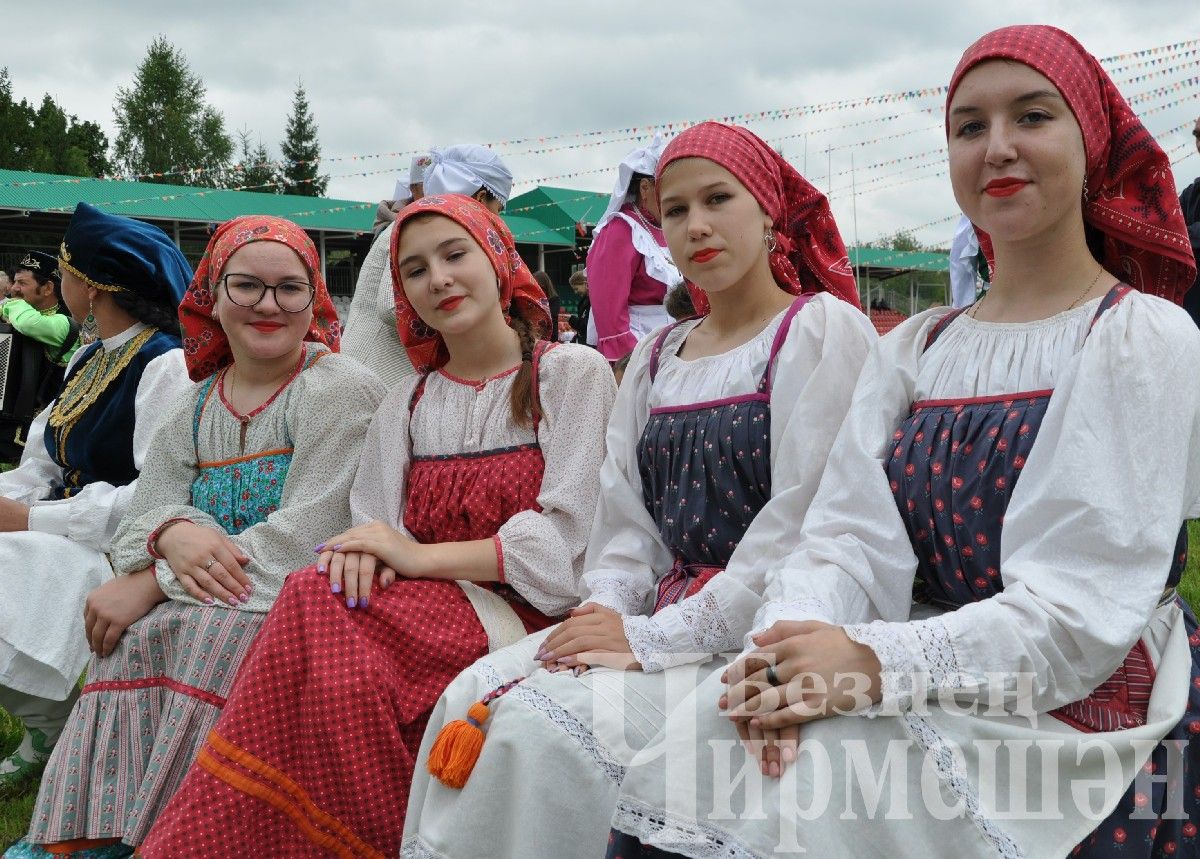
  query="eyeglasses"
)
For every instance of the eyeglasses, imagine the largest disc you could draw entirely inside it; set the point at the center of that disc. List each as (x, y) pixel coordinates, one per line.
(246, 290)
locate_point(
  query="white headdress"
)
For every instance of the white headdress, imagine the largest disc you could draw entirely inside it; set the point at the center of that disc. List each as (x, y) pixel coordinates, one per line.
(466, 168)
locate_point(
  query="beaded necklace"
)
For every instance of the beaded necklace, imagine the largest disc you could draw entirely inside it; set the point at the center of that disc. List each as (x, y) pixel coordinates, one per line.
(86, 386)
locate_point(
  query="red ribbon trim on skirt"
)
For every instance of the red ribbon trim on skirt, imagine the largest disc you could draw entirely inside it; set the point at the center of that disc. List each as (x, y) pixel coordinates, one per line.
(151, 682)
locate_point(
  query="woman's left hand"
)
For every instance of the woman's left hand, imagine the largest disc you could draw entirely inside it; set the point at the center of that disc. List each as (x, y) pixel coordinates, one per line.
(14, 516)
(821, 672)
(592, 635)
(404, 556)
(112, 607)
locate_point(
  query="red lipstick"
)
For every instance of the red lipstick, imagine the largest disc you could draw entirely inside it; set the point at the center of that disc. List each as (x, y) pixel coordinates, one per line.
(450, 303)
(266, 326)
(705, 255)
(1004, 187)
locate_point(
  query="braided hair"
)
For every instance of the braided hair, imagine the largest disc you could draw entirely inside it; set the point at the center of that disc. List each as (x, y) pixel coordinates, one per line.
(525, 408)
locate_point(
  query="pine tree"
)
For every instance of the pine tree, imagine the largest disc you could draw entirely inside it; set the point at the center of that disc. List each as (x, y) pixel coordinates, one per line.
(255, 170)
(165, 124)
(301, 151)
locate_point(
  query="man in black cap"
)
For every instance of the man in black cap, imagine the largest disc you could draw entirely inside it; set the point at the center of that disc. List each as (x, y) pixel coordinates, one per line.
(41, 339)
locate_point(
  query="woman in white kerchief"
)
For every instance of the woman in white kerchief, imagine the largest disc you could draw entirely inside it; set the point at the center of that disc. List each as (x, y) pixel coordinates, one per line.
(370, 337)
(629, 267)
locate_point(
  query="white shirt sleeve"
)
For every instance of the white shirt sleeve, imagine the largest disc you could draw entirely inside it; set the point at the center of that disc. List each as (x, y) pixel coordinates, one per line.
(542, 552)
(852, 560)
(91, 516)
(625, 548)
(1089, 533)
(814, 377)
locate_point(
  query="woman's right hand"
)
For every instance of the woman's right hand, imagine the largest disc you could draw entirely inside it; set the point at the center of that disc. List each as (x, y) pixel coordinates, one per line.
(353, 571)
(206, 562)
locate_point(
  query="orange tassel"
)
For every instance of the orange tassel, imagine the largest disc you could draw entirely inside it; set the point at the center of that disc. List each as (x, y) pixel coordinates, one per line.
(457, 748)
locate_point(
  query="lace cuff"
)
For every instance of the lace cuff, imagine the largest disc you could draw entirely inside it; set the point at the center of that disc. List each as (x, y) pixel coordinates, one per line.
(690, 631)
(918, 658)
(616, 594)
(899, 662)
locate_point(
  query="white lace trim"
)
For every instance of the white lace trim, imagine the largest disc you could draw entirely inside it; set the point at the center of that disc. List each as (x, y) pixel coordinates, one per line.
(615, 593)
(560, 717)
(688, 631)
(414, 848)
(953, 774)
(701, 614)
(937, 649)
(897, 668)
(647, 641)
(677, 834)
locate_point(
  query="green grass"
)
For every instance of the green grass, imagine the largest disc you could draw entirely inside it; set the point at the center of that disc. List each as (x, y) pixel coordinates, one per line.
(15, 813)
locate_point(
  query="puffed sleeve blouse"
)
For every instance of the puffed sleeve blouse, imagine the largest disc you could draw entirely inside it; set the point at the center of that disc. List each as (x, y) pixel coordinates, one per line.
(540, 552)
(814, 376)
(322, 415)
(1090, 529)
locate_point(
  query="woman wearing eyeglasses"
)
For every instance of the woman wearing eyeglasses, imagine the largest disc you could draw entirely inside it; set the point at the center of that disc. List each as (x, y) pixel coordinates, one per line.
(248, 466)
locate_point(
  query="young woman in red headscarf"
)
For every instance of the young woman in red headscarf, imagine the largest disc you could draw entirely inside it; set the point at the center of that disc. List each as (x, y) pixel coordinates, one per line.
(720, 433)
(472, 505)
(1030, 462)
(246, 466)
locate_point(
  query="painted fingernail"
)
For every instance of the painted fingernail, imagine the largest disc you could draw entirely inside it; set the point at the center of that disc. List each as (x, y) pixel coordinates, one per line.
(233, 602)
(320, 568)
(210, 601)
(336, 587)
(319, 548)
(337, 548)
(547, 656)
(362, 603)
(245, 598)
(351, 602)
(540, 656)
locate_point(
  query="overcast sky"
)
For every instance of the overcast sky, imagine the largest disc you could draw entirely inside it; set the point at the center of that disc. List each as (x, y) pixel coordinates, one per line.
(394, 76)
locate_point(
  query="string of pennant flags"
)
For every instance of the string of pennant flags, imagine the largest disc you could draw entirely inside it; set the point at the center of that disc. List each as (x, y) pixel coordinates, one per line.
(868, 186)
(1156, 58)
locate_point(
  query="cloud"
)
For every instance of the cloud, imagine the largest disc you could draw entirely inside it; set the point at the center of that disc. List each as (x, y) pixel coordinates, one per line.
(392, 77)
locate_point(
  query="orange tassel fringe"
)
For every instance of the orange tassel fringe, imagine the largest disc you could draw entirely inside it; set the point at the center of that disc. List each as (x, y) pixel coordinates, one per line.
(457, 748)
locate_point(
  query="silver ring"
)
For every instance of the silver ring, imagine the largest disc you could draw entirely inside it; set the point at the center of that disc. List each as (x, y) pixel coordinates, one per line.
(772, 677)
(208, 566)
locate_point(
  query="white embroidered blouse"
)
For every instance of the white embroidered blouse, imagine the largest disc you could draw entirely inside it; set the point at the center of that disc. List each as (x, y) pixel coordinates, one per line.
(814, 375)
(1089, 532)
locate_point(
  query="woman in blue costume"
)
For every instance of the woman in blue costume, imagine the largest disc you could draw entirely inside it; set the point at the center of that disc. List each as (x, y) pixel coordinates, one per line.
(1031, 462)
(59, 509)
(247, 466)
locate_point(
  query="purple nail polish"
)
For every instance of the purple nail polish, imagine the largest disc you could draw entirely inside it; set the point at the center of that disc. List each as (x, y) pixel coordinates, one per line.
(210, 601)
(336, 587)
(245, 598)
(337, 548)
(362, 603)
(321, 568)
(233, 602)
(319, 548)
(351, 602)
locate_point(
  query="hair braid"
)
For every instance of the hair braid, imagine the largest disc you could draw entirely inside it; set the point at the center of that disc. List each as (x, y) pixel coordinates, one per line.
(525, 408)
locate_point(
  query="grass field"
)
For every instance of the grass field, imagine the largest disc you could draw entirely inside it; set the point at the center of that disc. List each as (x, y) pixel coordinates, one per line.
(15, 814)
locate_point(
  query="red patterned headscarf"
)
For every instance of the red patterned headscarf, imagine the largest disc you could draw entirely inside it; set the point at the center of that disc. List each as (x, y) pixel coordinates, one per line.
(205, 347)
(423, 343)
(809, 255)
(1131, 197)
